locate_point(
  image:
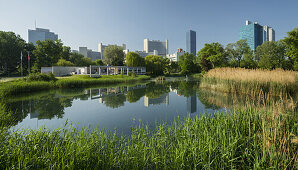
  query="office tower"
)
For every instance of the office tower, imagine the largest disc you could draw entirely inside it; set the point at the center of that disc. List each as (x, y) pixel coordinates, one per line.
(191, 103)
(41, 35)
(191, 42)
(255, 34)
(161, 47)
(101, 48)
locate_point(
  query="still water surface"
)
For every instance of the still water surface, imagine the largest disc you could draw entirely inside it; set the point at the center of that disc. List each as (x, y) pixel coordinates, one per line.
(112, 107)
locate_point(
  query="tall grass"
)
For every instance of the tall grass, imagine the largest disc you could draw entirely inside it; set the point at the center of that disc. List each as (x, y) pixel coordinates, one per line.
(254, 82)
(21, 86)
(241, 140)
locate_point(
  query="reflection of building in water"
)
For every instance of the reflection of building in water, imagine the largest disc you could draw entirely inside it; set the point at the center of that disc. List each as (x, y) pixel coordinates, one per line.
(191, 103)
(33, 115)
(162, 99)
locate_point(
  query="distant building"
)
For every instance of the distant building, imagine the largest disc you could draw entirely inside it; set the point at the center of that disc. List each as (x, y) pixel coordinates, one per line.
(41, 35)
(255, 34)
(93, 55)
(161, 47)
(101, 48)
(163, 99)
(144, 54)
(175, 56)
(191, 42)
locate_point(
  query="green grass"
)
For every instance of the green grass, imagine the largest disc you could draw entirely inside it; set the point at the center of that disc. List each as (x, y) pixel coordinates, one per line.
(242, 140)
(20, 86)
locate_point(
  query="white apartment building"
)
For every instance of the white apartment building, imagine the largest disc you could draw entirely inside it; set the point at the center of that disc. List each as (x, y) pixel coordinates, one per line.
(161, 47)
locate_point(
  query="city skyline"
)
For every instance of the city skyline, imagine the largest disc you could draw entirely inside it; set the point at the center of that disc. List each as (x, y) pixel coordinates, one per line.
(120, 22)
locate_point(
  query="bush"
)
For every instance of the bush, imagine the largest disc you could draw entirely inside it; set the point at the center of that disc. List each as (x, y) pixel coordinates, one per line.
(41, 77)
(133, 74)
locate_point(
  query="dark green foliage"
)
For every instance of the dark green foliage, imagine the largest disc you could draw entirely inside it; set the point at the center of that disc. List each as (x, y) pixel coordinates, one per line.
(40, 77)
(113, 55)
(155, 65)
(99, 62)
(292, 49)
(80, 60)
(237, 51)
(63, 62)
(187, 63)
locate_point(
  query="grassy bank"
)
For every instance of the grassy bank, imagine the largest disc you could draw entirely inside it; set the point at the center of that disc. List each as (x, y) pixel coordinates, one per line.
(246, 139)
(254, 82)
(21, 86)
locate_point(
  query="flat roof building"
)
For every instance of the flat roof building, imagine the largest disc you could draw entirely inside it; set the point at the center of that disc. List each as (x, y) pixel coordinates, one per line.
(160, 46)
(41, 34)
(191, 42)
(255, 34)
(101, 48)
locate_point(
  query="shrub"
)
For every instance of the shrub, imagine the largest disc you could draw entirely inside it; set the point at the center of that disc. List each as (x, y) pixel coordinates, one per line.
(133, 74)
(41, 77)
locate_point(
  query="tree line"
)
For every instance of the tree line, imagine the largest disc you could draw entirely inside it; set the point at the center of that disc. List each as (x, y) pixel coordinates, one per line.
(270, 55)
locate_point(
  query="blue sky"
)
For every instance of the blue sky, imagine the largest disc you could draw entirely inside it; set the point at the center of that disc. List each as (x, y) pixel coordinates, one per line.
(88, 22)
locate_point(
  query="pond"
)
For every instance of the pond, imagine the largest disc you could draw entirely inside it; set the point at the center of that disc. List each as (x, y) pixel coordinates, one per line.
(114, 106)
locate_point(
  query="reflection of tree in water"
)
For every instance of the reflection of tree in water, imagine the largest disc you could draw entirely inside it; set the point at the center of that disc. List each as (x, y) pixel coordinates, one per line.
(115, 101)
(204, 99)
(187, 88)
(154, 90)
(133, 96)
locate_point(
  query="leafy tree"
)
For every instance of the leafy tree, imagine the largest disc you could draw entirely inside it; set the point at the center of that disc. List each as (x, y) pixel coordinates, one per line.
(113, 55)
(291, 43)
(63, 62)
(211, 56)
(48, 53)
(133, 59)
(236, 52)
(11, 46)
(99, 62)
(80, 60)
(270, 55)
(248, 61)
(173, 67)
(187, 63)
(155, 65)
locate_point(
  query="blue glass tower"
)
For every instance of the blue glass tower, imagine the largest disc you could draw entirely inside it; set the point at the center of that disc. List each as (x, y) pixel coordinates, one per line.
(253, 33)
(191, 43)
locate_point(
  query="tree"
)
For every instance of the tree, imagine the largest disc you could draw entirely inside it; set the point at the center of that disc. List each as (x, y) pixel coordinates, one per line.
(211, 56)
(11, 46)
(291, 43)
(113, 55)
(270, 55)
(48, 53)
(133, 59)
(155, 64)
(236, 52)
(63, 62)
(187, 63)
(99, 62)
(80, 60)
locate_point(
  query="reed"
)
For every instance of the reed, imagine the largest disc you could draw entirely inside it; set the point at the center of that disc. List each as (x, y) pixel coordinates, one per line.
(244, 139)
(239, 80)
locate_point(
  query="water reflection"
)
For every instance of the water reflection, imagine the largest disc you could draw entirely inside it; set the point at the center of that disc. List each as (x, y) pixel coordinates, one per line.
(111, 107)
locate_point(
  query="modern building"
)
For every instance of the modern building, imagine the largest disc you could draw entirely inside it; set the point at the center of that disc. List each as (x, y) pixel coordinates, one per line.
(161, 47)
(163, 99)
(41, 35)
(144, 54)
(101, 48)
(175, 56)
(191, 42)
(93, 55)
(255, 34)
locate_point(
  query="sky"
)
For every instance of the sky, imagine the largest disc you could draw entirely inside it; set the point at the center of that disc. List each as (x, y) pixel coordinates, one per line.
(85, 23)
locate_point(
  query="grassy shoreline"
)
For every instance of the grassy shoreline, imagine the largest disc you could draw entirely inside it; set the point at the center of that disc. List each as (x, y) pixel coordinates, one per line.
(242, 140)
(20, 86)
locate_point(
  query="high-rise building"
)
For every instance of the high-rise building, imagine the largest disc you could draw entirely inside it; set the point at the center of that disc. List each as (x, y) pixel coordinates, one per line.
(101, 48)
(255, 34)
(41, 35)
(191, 42)
(93, 55)
(161, 47)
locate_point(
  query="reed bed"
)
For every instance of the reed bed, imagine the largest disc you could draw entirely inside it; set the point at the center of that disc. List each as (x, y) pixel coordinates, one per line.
(241, 140)
(239, 80)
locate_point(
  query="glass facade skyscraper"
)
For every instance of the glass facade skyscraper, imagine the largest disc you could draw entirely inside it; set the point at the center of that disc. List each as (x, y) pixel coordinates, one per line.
(255, 34)
(191, 43)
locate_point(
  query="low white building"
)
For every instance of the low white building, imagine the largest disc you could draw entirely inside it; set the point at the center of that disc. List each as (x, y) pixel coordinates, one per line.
(175, 56)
